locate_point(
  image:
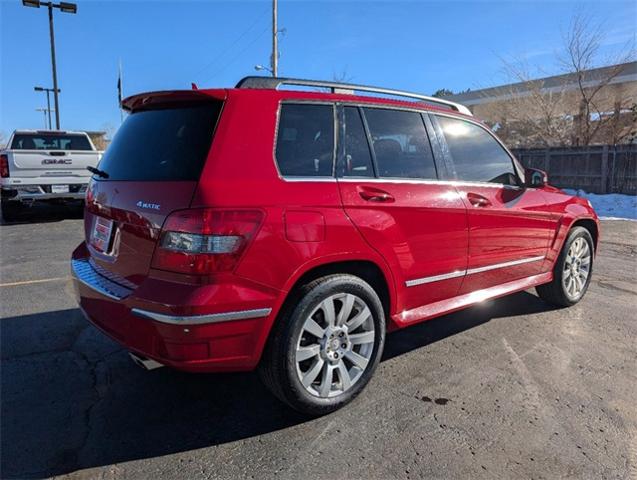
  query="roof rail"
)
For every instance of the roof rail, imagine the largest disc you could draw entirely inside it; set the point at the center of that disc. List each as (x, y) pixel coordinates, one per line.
(347, 88)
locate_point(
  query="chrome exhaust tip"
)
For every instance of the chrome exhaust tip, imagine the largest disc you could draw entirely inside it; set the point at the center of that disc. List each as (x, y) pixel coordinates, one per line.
(145, 363)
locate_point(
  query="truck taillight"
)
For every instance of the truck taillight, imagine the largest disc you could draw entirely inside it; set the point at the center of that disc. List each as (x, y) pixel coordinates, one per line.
(4, 166)
(205, 240)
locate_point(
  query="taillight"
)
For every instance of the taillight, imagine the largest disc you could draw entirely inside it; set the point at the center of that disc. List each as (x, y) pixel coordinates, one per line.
(201, 241)
(4, 166)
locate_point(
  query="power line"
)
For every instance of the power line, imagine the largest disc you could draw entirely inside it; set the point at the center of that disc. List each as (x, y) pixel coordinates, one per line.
(236, 57)
(235, 42)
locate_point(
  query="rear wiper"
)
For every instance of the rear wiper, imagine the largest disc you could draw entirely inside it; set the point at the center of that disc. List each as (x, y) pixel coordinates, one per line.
(98, 172)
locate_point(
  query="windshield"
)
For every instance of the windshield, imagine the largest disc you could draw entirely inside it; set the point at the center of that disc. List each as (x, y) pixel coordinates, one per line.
(50, 141)
(164, 144)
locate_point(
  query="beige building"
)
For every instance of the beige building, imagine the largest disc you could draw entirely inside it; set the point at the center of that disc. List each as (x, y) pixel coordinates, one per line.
(553, 110)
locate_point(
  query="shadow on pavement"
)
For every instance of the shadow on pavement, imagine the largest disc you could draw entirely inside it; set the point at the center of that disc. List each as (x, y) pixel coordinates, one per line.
(46, 213)
(72, 399)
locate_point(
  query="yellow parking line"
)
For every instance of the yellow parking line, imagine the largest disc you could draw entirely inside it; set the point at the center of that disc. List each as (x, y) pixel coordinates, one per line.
(29, 282)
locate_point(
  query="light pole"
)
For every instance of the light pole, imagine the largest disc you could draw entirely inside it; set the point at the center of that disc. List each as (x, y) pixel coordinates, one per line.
(44, 110)
(48, 101)
(66, 8)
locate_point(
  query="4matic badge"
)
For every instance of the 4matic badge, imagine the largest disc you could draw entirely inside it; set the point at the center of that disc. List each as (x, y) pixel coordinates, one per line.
(152, 206)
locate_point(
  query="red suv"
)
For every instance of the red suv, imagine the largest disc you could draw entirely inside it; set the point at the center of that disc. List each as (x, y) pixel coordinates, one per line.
(289, 229)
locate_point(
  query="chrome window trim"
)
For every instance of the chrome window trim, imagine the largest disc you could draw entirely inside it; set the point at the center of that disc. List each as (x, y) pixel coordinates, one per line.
(471, 271)
(309, 179)
(393, 180)
(361, 105)
(201, 319)
(453, 183)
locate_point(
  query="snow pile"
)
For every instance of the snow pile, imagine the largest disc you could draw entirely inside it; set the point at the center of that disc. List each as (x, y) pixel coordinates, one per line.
(610, 205)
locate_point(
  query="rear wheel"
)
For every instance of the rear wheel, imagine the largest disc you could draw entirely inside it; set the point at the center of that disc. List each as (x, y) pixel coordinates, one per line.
(11, 210)
(325, 348)
(572, 271)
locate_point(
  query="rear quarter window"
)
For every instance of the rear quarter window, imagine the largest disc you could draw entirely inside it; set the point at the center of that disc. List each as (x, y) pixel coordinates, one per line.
(162, 144)
(305, 140)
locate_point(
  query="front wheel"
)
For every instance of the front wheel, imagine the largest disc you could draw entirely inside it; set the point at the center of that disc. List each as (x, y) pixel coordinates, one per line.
(572, 271)
(325, 348)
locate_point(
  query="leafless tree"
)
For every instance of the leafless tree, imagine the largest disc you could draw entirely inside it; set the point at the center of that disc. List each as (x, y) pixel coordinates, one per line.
(529, 114)
(342, 76)
(3, 139)
(533, 113)
(597, 113)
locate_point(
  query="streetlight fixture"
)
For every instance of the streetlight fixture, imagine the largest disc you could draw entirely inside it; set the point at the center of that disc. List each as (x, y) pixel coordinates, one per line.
(258, 68)
(48, 101)
(65, 7)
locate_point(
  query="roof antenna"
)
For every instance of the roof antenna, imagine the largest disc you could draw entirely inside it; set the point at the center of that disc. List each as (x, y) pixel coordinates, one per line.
(194, 86)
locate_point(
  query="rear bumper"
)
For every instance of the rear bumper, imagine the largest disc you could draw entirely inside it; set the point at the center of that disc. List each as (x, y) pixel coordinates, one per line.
(204, 332)
(27, 193)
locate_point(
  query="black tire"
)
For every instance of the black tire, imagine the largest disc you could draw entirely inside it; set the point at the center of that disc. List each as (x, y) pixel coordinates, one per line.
(278, 367)
(11, 210)
(555, 292)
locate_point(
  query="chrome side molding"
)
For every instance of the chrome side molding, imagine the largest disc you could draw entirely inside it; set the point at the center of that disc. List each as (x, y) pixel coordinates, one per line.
(471, 271)
(201, 319)
(435, 278)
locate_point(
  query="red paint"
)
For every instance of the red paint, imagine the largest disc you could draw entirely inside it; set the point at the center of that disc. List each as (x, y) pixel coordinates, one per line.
(409, 230)
(303, 226)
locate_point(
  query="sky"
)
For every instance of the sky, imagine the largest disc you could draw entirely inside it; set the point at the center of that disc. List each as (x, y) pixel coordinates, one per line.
(414, 45)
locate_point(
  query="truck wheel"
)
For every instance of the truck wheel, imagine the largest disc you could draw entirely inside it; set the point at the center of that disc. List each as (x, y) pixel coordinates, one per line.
(572, 271)
(325, 347)
(11, 210)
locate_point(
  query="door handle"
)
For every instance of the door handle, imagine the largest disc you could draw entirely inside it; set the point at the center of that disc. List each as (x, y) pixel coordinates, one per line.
(478, 200)
(375, 195)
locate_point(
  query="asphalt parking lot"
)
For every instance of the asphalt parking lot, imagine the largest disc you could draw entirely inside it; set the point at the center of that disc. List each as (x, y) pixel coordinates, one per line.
(508, 389)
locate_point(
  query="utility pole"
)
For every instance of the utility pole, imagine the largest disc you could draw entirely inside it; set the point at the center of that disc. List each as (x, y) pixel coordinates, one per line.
(275, 48)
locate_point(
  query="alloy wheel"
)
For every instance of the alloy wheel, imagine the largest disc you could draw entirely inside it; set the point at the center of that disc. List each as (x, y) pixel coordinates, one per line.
(335, 345)
(577, 267)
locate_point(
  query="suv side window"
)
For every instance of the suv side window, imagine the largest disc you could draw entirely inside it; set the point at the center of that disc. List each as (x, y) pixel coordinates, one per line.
(357, 157)
(305, 140)
(477, 156)
(400, 142)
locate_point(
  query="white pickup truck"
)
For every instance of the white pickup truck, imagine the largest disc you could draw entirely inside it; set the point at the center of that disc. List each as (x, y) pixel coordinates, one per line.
(44, 165)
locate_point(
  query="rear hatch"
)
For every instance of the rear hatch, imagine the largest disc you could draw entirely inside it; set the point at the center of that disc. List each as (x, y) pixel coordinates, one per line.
(153, 166)
(51, 154)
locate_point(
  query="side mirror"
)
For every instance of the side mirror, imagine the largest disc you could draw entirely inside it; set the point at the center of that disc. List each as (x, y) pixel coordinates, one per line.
(535, 178)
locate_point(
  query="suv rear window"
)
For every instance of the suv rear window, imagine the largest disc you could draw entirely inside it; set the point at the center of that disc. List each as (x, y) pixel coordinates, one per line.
(49, 141)
(162, 144)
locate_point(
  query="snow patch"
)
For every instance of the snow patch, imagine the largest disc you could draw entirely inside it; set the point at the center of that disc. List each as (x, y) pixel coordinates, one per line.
(610, 206)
